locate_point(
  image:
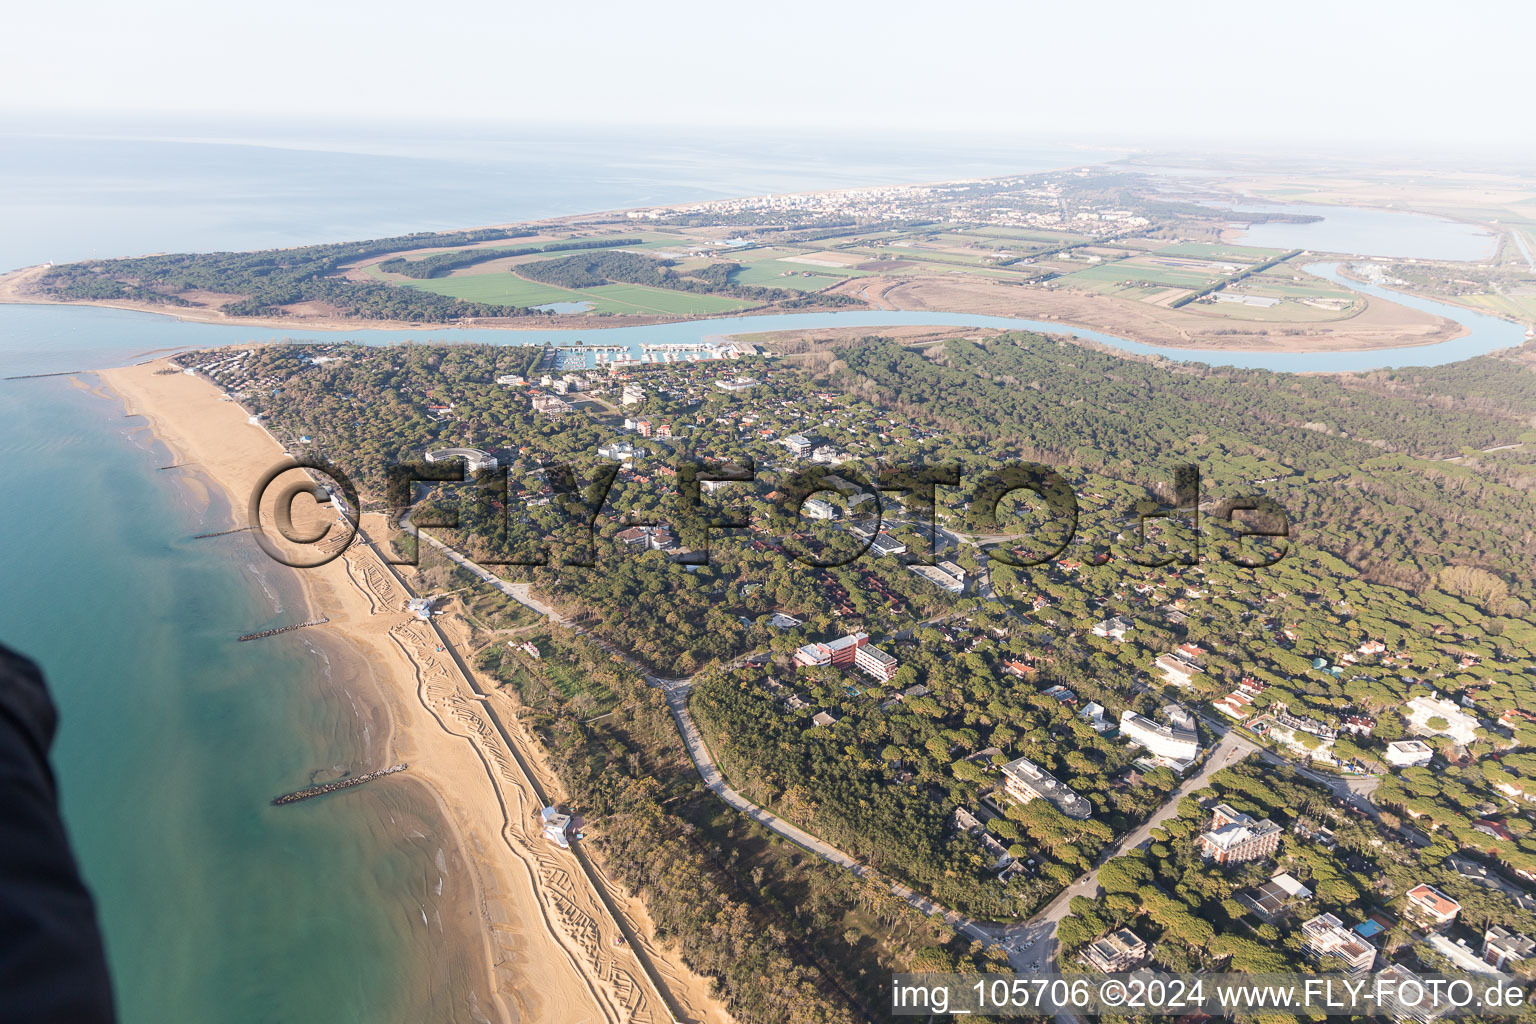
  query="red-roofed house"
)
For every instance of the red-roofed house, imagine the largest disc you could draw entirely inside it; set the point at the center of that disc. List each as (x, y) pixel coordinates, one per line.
(1431, 906)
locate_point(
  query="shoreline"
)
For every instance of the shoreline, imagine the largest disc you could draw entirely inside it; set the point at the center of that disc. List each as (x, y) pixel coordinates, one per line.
(537, 948)
(1439, 330)
(348, 664)
(1381, 324)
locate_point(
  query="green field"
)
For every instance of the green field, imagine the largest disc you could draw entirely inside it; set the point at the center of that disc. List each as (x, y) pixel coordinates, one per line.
(504, 289)
(1214, 251)
(1053, 238)
(935, 256)
(962, 239)
(1280, 281)
(1128, 271)
(805, 278)
(639, 298)
(1520, 305)
(498, 288)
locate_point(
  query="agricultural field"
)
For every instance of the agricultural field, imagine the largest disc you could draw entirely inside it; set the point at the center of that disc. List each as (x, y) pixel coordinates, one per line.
(637, 298)
(918, 261)
(828, 259)
(1285, 312)
(1048, 239)
(1289, 282)
(1096, 277)
(1520, 304)
(1303, 299)
(968, 240)
(1221, 251)
(510, 290)
(774, 274)
(500, 288)
(933, 252)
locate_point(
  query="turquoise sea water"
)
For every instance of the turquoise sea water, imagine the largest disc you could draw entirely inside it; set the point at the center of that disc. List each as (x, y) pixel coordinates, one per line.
(217, 907)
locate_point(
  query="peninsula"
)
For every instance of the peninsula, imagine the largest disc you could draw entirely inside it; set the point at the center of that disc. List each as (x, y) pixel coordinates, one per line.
(1112, 248)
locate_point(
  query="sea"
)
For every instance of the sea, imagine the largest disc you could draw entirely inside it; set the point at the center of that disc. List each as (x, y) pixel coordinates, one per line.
(217, 907)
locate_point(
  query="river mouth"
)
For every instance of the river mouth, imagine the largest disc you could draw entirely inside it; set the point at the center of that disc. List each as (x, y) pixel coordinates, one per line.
(41, 328)
(1366, 231)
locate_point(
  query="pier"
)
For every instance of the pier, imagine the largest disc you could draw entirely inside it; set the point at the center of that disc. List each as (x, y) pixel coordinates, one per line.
(283, 629)
(680, 346)
(331, 787)
(220, 533)
(36, 376)
(579, 347)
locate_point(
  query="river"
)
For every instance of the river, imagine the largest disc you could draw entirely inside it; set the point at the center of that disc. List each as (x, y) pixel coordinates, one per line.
(42, 333)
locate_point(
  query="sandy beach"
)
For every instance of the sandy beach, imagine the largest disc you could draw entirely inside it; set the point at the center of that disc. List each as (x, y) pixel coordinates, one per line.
(541, 946)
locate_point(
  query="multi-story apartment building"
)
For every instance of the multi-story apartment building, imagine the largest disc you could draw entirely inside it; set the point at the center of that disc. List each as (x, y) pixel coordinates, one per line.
(1119, 951)
(1325, 936)
(841, 651)
(1023, 780)
(874, 662)
(1236, 838)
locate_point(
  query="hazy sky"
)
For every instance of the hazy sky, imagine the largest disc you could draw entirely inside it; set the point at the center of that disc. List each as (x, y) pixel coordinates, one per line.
(1427, 74)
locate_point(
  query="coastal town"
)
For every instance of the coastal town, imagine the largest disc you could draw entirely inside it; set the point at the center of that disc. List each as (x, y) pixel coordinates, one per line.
(1225, 753)
(697, 514)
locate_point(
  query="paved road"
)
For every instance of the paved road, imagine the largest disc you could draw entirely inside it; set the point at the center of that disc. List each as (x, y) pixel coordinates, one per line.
(1353, 790)
(676, 691)
(518, 592)
(1031, 945)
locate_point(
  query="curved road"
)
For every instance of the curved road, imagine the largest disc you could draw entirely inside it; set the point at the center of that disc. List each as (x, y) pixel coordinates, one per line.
(1031, 944)
(676, 691)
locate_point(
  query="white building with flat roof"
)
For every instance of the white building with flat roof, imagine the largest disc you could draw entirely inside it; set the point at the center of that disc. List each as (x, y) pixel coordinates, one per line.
(1119, 951)
(556, 825)
(1462, 956)
(872, 661)
(474, 458)
(1177, 671)
(1325, 936)
(1023, 780)
(1409, 753)
(1459, 726)
(798, 444)
(938, 577)
(1166, 741)
(815, 508)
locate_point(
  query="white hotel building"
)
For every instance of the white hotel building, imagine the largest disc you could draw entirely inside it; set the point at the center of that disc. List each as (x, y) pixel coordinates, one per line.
(1169, 742)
